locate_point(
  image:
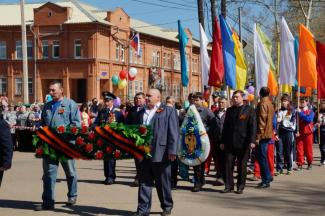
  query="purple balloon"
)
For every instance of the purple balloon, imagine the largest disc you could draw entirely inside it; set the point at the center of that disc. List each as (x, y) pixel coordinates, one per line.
(251, 89)
(117, 102)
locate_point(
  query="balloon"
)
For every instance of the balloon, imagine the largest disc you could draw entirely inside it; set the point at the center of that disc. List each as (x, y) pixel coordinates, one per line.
(123, 74)
(131, 78)
(251, 89)
(117, 102)
(250, 97)
(115, 79)
(133, 72)
(122, 83)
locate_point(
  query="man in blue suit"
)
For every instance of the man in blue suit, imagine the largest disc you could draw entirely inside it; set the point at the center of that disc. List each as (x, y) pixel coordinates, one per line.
(59, 111)
(6, 146)
(107, 115)
(157, 169)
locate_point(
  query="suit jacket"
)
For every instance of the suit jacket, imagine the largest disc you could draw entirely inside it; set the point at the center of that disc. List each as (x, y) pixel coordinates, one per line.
(132, 115)
(165, 130)
(103, 116)
(216, 128)
(239, 129)
(66, 114)
(6, 146)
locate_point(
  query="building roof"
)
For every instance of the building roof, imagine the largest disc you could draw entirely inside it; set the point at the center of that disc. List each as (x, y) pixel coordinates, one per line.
(84, 13)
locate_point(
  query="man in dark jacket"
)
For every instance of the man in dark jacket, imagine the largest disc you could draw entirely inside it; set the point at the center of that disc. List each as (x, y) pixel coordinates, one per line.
(157, 169)
(238, 136)
(6, 146)
(139, 103)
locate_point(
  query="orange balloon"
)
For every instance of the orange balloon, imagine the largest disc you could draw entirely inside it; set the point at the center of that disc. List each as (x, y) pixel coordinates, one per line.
(250, 97)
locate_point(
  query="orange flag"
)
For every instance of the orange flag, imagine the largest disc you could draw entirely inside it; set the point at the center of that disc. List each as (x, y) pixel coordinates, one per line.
(307, 70)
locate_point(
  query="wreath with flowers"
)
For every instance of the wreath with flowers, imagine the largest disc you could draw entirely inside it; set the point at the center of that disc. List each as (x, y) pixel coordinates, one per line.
(114, 140)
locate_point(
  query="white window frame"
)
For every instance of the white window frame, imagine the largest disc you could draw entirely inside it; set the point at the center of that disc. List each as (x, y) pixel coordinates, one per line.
(19, 50)
(3, 50)
(122, 52)
(77, 46)
(55, 44)
(30, 86)
(3, 82)
(18, 86)
(30, 49)
(45, 43)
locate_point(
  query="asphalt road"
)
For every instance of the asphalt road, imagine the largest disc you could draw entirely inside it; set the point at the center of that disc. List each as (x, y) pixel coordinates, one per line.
(302, 193)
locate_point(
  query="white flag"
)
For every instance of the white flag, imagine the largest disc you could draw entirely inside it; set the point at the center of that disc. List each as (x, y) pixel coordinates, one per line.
(205, 60)
(287, 56)
(262, 65)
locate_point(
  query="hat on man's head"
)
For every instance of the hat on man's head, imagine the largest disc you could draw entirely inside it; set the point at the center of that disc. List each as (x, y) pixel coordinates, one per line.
(108, 95)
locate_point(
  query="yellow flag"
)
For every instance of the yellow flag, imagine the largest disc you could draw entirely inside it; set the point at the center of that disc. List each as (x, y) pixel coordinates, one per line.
(241, 69)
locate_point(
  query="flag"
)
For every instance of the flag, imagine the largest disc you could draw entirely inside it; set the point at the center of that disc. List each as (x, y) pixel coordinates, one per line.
(205, 59)
(241, 69)
(264, 67)
(229, 57)
(320, 70)
(216, 67)
(287, 56)
(135, 43)
(307, 72)
(183, 40)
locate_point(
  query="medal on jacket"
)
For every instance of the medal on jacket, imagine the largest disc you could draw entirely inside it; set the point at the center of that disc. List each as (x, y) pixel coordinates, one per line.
(111, 117)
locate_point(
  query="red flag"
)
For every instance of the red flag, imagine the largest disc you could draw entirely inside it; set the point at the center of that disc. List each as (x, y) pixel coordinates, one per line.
(320, 70)
(216, 67)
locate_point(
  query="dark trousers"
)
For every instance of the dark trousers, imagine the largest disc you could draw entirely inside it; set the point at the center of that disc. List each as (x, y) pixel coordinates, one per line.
(1, 176)
(284, 151)
(199, 178)
(156, 174)
(242, 157)
(262, 157)
(109, 169)
(136, 162)
(174, 174)
(322, 146)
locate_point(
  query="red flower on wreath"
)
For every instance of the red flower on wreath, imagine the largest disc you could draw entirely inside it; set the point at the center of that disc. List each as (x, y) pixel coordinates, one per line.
(39, 152)
(89, 148)
(99, 155)
(79, 141)
(84, 129)
(60, 129)
(74, 130)
(109, 149)
(143, 130)
(117, 154)
(91, 135)
(100, 143)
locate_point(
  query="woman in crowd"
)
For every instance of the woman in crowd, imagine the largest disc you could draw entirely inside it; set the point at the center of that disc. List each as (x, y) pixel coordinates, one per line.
(84, 112)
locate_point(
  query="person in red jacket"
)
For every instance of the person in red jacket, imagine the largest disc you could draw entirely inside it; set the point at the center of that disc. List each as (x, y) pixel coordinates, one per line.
(305, 134)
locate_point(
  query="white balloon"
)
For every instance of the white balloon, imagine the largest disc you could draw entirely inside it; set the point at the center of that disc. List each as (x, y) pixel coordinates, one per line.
(133, 72)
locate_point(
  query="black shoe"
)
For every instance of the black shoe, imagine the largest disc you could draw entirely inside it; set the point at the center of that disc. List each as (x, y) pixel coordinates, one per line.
(227, 190)
(196, 188)
(309, 167)
(71, 201)
(109, 181)
(44, 207)
(263, 185)
(240, 191)
(166, 213)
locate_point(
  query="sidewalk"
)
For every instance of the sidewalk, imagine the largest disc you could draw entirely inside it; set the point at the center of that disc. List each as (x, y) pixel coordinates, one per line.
(302, 193)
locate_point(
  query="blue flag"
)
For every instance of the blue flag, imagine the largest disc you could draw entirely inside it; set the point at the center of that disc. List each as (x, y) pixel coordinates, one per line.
(228, 51)
(183, 40)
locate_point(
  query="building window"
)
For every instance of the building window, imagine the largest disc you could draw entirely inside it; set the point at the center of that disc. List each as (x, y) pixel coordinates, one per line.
(131, 56)
(138, 86)
(77, 48)
(188, 62)
(56, 49)
(158, 59)
(130, 89)
(29, 49)
(169, 61)
(45, 49)
(177, 62)
(3, 86)
(3, 50)
(164, 58)
(18, 86)
(122, 54)
(30, 86)
(19, 51)
(117, 52)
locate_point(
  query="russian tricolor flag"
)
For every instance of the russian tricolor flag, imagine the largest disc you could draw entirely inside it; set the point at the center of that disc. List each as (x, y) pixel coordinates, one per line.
(135, 43)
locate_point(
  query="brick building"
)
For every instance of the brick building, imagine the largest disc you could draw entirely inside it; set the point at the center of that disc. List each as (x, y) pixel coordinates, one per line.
(84, 47)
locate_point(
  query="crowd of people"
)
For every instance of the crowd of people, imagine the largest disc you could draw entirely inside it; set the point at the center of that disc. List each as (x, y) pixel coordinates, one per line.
(266, 140)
